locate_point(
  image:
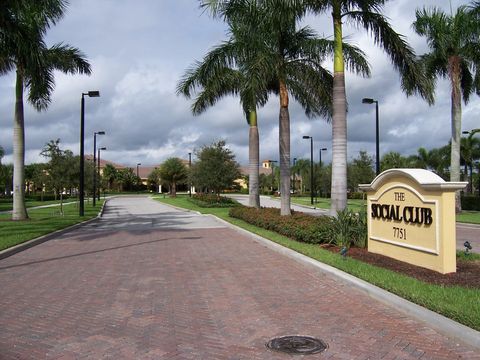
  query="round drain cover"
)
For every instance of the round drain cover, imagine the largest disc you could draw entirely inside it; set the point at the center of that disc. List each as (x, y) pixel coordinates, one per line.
(296, 344)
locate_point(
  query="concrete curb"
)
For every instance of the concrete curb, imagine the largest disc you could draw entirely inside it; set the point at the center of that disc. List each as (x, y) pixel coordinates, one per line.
(37, 241)
(440, 323)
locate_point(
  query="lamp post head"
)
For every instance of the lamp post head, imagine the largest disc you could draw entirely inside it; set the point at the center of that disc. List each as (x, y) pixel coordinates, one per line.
(94, 93)
(100, 132)
(323, 149)
(307, 137)
(139, 164)
(368, 101)
(102, 148)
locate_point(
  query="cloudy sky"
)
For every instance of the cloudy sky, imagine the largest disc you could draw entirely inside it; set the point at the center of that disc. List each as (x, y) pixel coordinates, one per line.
(140, 48)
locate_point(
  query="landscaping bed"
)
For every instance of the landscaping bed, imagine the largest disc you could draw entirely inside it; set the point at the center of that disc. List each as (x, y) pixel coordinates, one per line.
(467, 275)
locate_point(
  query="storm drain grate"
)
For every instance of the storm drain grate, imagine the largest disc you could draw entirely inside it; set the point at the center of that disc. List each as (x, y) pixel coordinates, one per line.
(296, 344)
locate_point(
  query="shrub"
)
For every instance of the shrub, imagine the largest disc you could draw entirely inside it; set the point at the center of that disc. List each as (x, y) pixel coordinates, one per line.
(470, 202)
(212, 200)
(356, 195)
(349, 228)
(298, 226)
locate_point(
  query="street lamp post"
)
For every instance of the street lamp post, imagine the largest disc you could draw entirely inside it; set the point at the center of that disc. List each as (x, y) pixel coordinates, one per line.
(273, 175)
(371, 101)
(294, 175)
(98, 170)
(138, 178)
(94, 192)
(81, 189)
(320, 168)
(311, 167)
(190, 174)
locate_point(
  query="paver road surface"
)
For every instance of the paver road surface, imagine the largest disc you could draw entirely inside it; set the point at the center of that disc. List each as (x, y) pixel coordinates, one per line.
(151, 282)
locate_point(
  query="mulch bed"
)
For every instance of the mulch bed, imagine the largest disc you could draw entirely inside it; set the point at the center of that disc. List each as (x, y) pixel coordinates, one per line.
(467, 275)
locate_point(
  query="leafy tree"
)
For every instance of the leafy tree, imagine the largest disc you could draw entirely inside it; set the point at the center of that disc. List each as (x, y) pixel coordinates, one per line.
(110, 174)
(360, 171)
(216, 168)
(61, 168)
(393, 160)
(174, 172)
(366, 14)
(454, 42)
(127, 179)
(22, 48)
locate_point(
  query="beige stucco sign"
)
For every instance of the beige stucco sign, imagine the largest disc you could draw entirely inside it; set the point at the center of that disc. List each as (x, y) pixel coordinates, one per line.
(411, 217)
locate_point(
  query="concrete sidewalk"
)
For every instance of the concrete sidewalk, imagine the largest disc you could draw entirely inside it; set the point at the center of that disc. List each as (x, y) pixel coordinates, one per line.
(151, 282)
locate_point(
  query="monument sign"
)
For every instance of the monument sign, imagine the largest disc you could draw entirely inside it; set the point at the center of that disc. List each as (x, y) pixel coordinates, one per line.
(411, 217)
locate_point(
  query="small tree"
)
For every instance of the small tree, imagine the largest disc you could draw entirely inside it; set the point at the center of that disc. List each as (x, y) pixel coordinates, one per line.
(216, 168)
(61, 169)
(360, 171)
(173, 171)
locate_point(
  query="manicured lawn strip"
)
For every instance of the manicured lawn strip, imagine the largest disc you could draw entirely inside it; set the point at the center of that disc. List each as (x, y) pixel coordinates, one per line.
(324, 203)
(8, 205)
(472, 217)
(457, 303)
(42, 221)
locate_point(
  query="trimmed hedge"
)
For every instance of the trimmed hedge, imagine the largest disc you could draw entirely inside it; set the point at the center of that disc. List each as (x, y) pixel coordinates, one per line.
(298, 226)
(470, 202)
(211, 201)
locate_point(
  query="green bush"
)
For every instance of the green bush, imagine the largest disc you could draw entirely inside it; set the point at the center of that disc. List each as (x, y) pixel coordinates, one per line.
(46, 197)
(356, 195)
(212, 200)
(298, 226)
(349, 228)
(470, 202)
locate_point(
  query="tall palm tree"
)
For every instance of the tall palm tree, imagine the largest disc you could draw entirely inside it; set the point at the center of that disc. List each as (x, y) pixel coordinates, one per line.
(366, 14)
(290, 60)
(22, 48)
(229, 69)
(454, 54)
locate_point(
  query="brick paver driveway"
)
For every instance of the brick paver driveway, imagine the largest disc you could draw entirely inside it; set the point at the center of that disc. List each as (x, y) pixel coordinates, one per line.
(151, 282)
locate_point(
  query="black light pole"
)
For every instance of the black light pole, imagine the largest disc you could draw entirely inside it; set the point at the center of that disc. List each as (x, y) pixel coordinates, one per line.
(94, 192)
(138, 178)
(81, 189)
(273, 175)
(293, 175)
(190, 174)
(371, 101)
(320, 156)
(98, 169)
(311, 166)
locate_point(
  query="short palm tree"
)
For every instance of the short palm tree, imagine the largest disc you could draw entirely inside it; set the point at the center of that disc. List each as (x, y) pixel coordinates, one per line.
(366, 14)
(454, 54)
(290, 62)
(22, 48)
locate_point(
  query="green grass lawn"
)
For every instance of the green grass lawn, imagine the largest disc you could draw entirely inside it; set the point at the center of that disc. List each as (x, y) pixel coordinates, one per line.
(7, 204)
(42, 221)
(457, 303)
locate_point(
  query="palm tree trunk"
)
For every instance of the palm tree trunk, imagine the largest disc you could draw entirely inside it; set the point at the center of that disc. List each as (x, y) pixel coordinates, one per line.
(454, 70)
(339, 123)
(174, 189)
(19, 210)
(284, 150)
(253, 161)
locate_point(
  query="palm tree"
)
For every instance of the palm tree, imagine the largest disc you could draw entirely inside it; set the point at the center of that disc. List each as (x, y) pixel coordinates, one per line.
(469, 151)
(224, 71)
(454, 54)
(290, 61)
(22, 48)
(365, 14)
